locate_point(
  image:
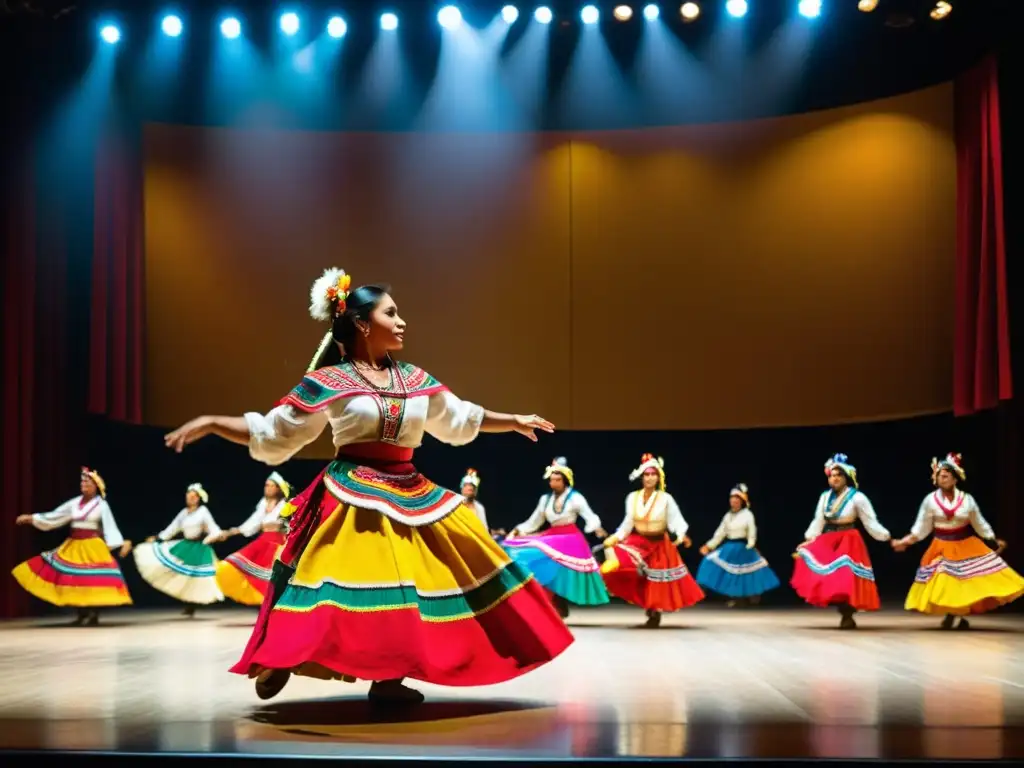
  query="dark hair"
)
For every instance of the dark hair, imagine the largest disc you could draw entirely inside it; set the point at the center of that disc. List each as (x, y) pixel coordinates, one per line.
(360, 303)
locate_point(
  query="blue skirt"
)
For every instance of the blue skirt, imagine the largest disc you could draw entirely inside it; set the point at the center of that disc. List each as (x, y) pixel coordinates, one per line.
(735, 571)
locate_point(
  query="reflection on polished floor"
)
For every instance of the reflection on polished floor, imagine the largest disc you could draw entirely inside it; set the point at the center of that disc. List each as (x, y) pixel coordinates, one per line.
(709, 683)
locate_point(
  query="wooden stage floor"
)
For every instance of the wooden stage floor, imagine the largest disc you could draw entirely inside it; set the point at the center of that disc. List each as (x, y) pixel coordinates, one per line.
(710, 683)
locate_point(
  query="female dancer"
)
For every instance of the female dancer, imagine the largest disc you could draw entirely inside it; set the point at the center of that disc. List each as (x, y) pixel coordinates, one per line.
(80, 572)
(185, 568)
(959, 575)
(736, 569)
(642, 565)
(470, 488)
(384, 575)
(832, 565)
(560, 557)
(244, 576)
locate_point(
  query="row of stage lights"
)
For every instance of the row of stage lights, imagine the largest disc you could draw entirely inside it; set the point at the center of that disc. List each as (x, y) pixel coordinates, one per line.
(450, 17)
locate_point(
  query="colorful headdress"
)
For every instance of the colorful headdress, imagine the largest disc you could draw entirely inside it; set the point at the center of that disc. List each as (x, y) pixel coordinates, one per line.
(472, 477)
(560, 466)
(953, 462)
(200, 492)
(280, 482)
(327, 300)
(843, 462)
(93, 475)
(648, 461)
(742, 492)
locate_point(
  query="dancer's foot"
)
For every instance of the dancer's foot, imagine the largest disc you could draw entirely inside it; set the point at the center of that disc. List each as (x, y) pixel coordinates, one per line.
(79, 619)
(653, 619)
(754, 600)
(190, 611)
(847, 622)
(92, 619)
(562, 605)
(947, 623)
(394, 693)
(730, 603)
(964, 624)
(270, 682)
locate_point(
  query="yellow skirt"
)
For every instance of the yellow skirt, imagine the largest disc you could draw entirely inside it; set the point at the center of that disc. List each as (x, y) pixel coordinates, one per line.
(80, 573)
(962, 577)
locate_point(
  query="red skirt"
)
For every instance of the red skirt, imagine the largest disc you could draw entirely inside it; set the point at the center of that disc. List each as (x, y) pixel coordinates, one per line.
(835, 569)
(652, 575)
(244, 576)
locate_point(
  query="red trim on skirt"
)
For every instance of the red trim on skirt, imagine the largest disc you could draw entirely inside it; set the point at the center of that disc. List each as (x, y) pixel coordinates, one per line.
(832, 571)
(628, 583)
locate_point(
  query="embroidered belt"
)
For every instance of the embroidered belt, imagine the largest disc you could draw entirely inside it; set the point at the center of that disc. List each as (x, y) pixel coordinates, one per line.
(833, 527)
(953, 534)
(84, 533)
(736, 538)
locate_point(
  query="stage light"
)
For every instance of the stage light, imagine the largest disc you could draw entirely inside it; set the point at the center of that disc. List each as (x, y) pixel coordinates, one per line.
(449, 17)
(289, 23)
(651, 12)
(689, 11)
(623, 12)
(737, 8)
(543, 15)
(941, 10)
(509, 14)
(231, 28)
(171, 26)
(110, 34)
(337, 27)
(590, 14)
(810, 9)
(388, 22)
(867, 5)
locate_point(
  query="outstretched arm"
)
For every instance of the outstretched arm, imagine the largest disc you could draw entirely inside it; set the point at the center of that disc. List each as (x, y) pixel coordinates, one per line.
(232, 428)
(509, 422)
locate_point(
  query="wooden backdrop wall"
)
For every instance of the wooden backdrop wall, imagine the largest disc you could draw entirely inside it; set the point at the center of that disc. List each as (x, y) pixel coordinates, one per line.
(793, 271)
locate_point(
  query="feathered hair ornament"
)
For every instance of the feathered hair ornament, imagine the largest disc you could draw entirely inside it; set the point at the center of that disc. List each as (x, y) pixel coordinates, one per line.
(741, 491)
(954, 462)
(328, 295)
(649, 461)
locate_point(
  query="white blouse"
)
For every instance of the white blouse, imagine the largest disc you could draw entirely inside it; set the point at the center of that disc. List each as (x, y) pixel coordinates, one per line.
(846, 512)
(658, 514)
(191, 524)
(965, 512)
(735, 525)
(263, 515)
(568, 510)
(280, 434)
(93, 515)
(478, 508)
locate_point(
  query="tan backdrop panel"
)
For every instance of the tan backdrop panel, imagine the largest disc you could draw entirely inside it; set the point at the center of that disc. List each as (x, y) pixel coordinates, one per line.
(472, 232)
(786, 272)
(795, 271)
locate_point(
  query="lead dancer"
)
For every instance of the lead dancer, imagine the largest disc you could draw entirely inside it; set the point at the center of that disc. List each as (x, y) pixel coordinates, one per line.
(642, 564)
(560, 557)
(959, 575)
(384, 575)
(832, 565)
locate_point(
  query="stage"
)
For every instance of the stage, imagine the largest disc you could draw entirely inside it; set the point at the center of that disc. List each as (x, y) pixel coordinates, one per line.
(711, 682)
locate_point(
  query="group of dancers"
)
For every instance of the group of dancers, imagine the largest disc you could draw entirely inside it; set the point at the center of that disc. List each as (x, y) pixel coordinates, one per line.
(374, 572)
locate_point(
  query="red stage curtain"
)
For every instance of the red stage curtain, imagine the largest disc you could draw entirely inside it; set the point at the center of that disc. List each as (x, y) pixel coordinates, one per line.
(118, 282)
(981, 356)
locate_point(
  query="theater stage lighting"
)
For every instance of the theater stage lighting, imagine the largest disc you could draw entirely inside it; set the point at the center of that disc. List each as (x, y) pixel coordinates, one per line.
(231, 28)
(810, 9)
(289, 23)
(737, 8)
(337, 27)
(110, 34)
(388, 22)
(590, 14)
(171, 26)
(623, 12)
(941, 10)
(449, 17)
(543, 15)
(651, 12)
(867, 5)
(689, 11)
(509, 14)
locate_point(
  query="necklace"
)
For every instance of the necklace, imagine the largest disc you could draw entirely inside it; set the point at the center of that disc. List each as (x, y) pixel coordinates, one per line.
(390, 403)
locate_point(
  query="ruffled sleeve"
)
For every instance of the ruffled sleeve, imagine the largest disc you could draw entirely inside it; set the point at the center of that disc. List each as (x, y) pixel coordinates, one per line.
(277, 436)
(451, 420)
(58, 518)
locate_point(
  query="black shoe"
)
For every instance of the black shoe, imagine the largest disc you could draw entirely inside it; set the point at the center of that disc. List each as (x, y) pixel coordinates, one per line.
(189, 611)
(393, 694)
(653, 619)
(92, 620)
(964, 624)
(847, 622)
(947, 623)
(271, 682)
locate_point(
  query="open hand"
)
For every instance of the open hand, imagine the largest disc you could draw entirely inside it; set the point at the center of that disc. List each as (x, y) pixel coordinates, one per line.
(898, 544)
(150, 539)
(686, 542)
(601, 533)
(188, 433)
(23, 520)
(704, 550)
(1000, 545)
(126, 548)
(527, 426)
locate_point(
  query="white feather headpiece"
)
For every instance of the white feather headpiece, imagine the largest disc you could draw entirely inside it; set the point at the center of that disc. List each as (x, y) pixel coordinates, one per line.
(328, 294)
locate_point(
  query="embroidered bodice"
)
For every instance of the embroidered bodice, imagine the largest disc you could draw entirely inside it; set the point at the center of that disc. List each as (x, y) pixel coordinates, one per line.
(938, 512)
(653, 516)
(845, 509)
(561, 510)
(192, 525)
(264, 517)
(358, 412)
(735, 525)
(92, 515)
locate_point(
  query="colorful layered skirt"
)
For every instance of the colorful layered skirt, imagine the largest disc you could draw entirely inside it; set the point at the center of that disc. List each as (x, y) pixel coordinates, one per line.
(183, 569)
(80, 573)
(385, 575)
(647, 571)
(960, 575)
(735, 571)
(244, 576)
(835, 569)
(561, 560)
